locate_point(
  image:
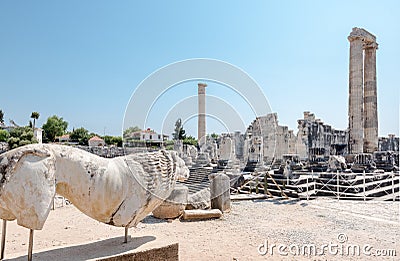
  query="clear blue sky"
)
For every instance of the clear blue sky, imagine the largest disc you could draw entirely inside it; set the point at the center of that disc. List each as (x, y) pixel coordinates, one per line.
(83, 59)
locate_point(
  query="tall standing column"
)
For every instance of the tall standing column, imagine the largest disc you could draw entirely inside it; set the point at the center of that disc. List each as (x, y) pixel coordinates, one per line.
(370, 99)
(201, 126)
(356, 130)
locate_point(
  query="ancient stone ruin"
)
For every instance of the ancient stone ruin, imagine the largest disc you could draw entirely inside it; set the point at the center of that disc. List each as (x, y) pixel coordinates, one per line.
(120, 191)
(271, 154)
(363, 109)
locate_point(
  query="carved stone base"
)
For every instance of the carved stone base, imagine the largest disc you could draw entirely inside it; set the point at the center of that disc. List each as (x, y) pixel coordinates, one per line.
(168, 253)
(111, 249)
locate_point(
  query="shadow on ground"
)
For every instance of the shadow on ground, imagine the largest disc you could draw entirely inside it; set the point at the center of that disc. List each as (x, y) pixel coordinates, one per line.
(153, 220)
(279, 201)
(286, 201)
(95, 250)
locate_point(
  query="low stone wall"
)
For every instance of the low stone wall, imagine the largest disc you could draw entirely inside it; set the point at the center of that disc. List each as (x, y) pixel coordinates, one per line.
(112, 152)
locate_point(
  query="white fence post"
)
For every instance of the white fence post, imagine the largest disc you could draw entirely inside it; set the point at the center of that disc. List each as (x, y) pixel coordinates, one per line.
(364, 184)
(394, 196)
(287, 179)
(337, 184)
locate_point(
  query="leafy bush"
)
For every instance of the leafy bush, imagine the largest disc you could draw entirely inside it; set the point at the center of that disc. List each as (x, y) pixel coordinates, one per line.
(80, 135)
(190, 140)
(113, 140)
(13, 142)
(4, 135)
(169, 147)
(20, 136)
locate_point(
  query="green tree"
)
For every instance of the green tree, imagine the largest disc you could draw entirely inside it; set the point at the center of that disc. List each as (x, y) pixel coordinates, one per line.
(54, 126)
(4, 135)
(92, 134)
(1, 117)
(190, 140)
(113, 140)
(179, 132)
(117, 140)
(80, 135)
(131, 130)
(35, 115)
(20, 136)
(108, 139)
(214, 136)
(13, 142)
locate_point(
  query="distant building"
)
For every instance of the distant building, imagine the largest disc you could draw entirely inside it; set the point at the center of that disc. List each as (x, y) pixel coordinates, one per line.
(146, 137)
(7, 128)
(38, 134)
(96, 141)
(149, 135)
(63, 139)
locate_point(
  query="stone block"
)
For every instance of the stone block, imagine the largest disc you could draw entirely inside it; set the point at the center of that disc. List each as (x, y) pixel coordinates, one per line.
(199, 200)
(174, 205)
(220, 192)
(200, 214)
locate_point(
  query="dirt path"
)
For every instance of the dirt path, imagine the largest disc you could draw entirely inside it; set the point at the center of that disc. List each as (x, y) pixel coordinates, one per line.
(70, 235)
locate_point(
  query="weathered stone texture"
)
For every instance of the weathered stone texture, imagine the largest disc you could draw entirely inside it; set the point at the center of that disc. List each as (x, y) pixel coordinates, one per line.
(390, 143)
(274, 137)
(174, 205)
(220, 192)
(199, 200)
(315, 138)
(370, 100)
(199, 214)
(356, 124)
(141, 180)
(226, 148)
(363, 113)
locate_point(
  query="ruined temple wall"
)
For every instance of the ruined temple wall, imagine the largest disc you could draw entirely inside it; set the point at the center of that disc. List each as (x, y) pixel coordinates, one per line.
(265, 127)
(320, 137)
(226, 150)
(302, 140)
(238, 139)
(390, 143)
(282, 141)
(277, 140)
(315, 138)
(292, 138)
(254, 149)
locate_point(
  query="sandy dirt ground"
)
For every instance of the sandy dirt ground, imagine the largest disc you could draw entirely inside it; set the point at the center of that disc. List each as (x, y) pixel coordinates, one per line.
(250, 228)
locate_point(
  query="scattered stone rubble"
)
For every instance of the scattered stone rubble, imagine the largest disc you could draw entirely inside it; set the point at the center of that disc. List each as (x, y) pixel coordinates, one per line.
(3, 147)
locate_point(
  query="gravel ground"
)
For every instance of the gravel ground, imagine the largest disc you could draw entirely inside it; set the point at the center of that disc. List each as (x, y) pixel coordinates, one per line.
(239, 235)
